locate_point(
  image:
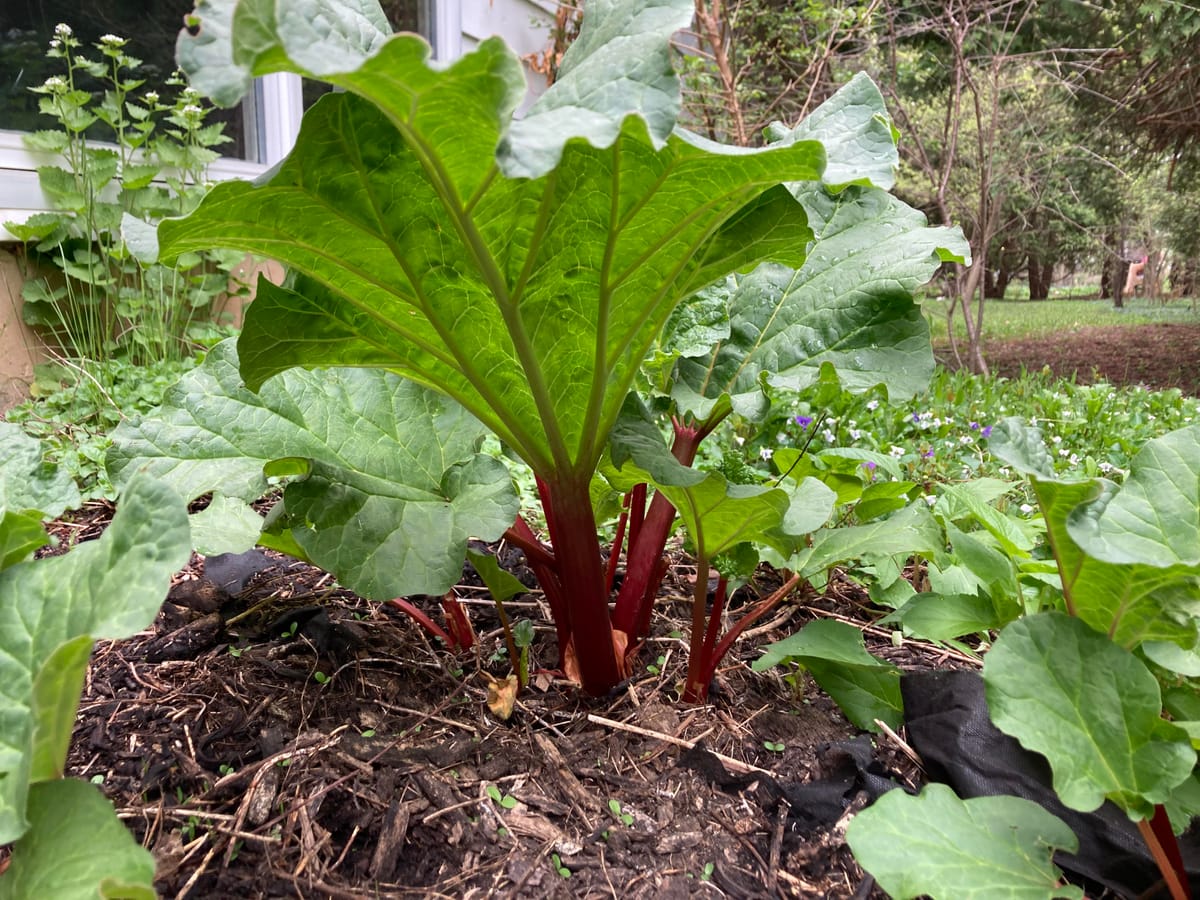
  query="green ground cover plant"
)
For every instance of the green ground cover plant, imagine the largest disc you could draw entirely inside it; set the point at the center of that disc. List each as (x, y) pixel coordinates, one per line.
(941, 435)
(127, 156)
(1095, 607)
(583, 282)
(74, 420)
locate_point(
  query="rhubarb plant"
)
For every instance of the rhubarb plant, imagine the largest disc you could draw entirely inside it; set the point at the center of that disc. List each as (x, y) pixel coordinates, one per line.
(558, 276)
(51, 612)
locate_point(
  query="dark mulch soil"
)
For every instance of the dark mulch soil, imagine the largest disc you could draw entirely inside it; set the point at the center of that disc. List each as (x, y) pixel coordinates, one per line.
(1156, 356)
(351, 757)
(249, 778)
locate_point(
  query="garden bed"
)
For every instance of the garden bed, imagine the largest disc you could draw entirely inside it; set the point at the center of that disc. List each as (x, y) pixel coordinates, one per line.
(248, 776)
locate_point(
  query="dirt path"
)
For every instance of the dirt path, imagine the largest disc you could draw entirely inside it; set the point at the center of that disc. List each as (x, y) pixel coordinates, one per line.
(1157, 356)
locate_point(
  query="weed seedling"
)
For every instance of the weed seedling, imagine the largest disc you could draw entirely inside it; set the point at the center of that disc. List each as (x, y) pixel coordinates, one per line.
(506, 801)
(559, 867)
(614, 806)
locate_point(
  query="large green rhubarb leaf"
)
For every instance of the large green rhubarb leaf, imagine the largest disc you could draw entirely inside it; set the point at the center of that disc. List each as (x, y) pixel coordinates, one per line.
(392, 481)
(76, 849)
(619, 65)
(851, 303)
(1091, 708)
(1132, 602)
(857, 134)
(939, 846)
(530, 301)
(1154, 518)
(866, 688)
(108, 588)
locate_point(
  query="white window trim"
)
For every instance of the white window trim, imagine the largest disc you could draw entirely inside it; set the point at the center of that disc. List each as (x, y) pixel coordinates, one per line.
(276, 105)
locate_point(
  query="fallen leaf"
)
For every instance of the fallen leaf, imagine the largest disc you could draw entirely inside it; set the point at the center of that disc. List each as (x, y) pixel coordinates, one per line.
(502, 695)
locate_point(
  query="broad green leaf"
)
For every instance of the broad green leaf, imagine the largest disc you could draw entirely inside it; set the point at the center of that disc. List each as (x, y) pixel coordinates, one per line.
(392, 483)
(885, 463)
(1022, 447)
(941, 617)
(108, 588)
(500, 306)
(912, 530)
(141, 239)
(636, 438)
(56, 691)
(501, 585)
(1173, 658)
(960, 501)
(866, 688)
(719, 515)
(1091, 708)
(236, 40)
(858, 135)
(994, 569)
(20, 535)
(226, 525)
(1131, 602)
(76, 849)
(883, 498)
(1154, 519)
(937, 845)
(494, 290)
(843, 480)
(29, 483)
(620, 65)
(810, 506)
(850, 304)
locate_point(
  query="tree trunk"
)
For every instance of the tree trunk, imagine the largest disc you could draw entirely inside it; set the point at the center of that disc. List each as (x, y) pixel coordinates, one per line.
(1120, 273)
(1041, 276)
(1003, 277)
(1152, 275)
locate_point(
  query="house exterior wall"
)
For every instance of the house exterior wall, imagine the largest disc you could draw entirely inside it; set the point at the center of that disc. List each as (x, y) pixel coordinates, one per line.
(458, 26)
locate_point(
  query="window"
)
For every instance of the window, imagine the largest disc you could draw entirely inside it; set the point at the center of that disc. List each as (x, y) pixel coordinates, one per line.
(262, 128)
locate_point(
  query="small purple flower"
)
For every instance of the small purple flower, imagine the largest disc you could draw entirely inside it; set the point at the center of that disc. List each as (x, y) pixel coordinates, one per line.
(974, 426)
(916, 418)
(804, 421)
(928, 454)
(869, 465)
(987, 431)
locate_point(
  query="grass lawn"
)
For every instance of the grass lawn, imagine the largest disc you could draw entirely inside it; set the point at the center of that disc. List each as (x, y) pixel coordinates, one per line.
(1014, 319)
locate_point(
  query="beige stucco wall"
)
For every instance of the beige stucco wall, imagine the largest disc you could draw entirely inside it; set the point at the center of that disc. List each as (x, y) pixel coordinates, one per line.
(18, 344)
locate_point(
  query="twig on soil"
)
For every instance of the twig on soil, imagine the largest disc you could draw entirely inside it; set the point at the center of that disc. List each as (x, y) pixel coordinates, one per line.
(776, 846)
(200, 869)
(901, 744)
(736, 764)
